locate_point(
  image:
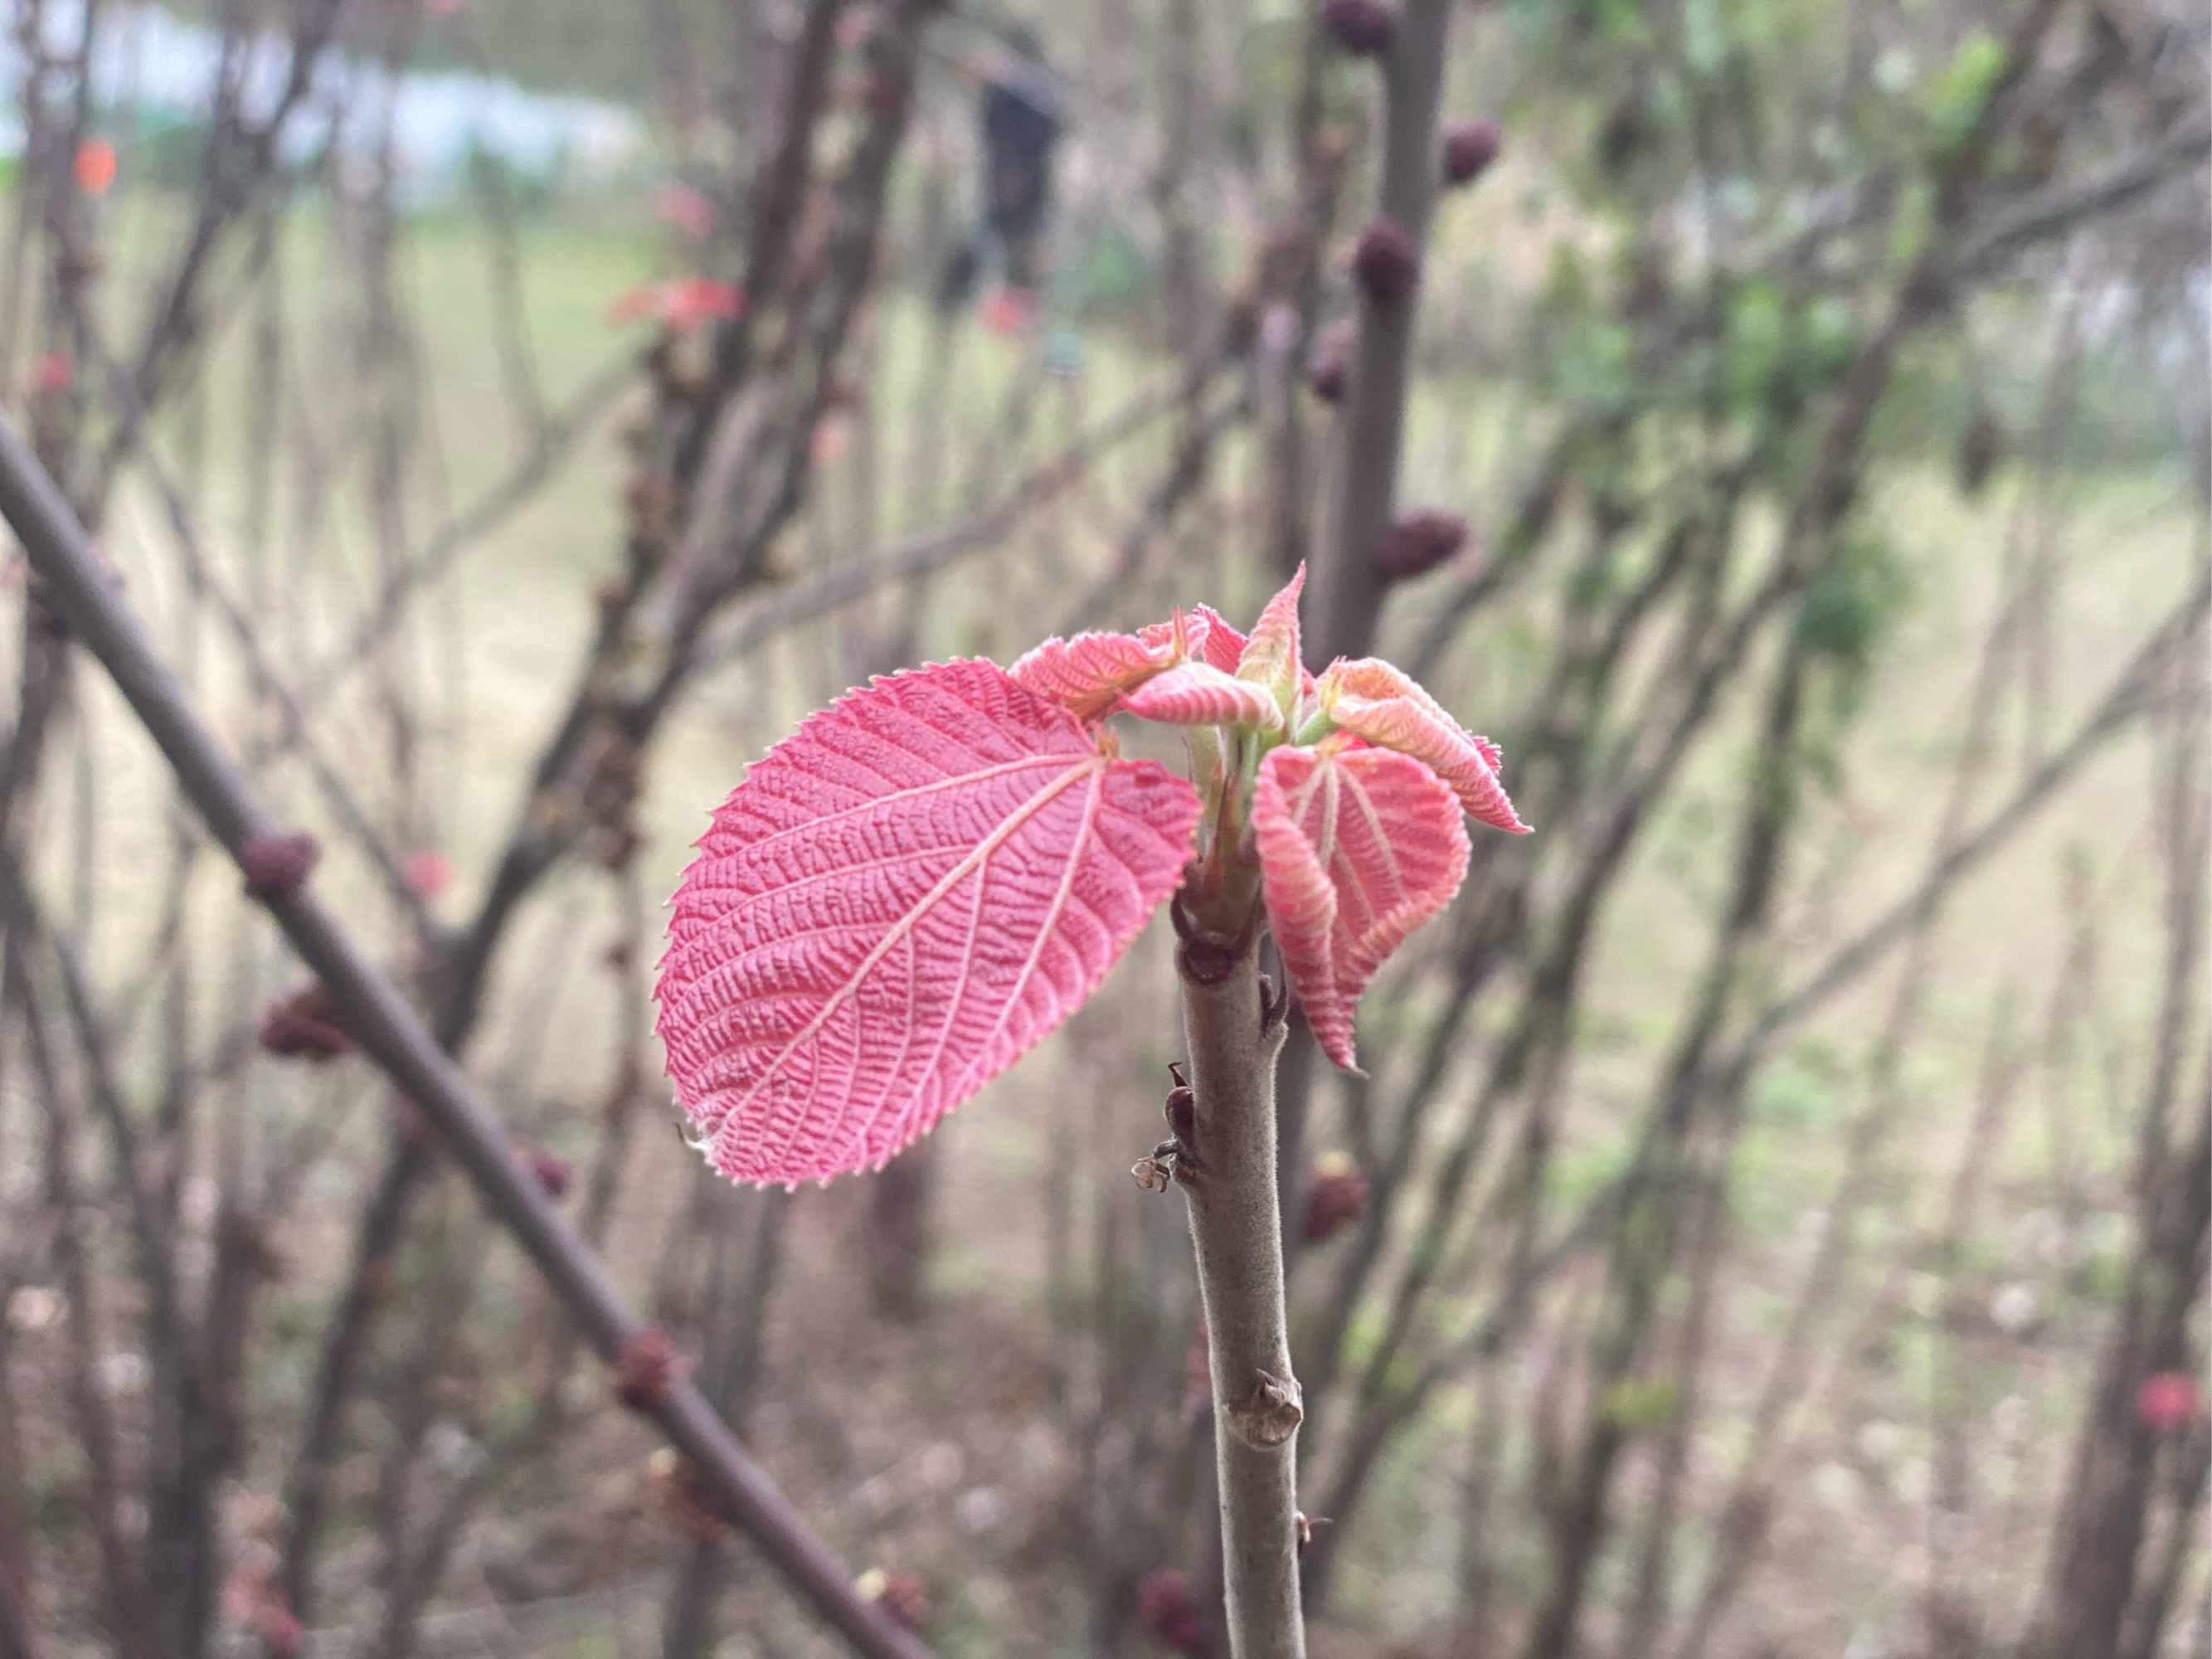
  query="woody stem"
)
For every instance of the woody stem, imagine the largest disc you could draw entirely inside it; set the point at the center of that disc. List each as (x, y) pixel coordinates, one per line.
(1229, 1177)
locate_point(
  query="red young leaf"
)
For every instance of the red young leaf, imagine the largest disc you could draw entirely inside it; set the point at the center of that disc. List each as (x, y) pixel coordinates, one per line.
(895, 902)
(1088, 674)
(1225, 646)
(1199, 694)
(1357, 847)
(1370, 698)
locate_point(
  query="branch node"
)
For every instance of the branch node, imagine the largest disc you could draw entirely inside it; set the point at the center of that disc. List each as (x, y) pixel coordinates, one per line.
(305, 1025)
(277, 866)
(647, 1368)
(1268, 1412)
(1205, 957)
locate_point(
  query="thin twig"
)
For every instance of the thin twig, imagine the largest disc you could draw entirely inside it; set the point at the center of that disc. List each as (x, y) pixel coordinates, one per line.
(934, 551)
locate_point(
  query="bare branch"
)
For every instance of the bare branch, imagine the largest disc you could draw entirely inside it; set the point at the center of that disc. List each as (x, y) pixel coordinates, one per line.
(2058, 211)
(391, 1034)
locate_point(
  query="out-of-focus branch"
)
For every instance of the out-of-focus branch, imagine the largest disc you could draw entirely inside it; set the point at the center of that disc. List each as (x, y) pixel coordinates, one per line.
(2126, 697)
(728, 475)
(1186, 472)
(2056, 212)
(239, 159)
(268, 683)
(393, 1036)
(555, 438)
(1352, 589)
(934, 551)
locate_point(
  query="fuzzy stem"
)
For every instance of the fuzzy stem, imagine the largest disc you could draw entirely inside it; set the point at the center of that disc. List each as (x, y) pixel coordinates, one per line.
(1228, 1175)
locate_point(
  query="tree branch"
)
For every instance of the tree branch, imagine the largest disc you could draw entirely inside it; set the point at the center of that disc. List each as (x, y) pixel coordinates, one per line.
(2055, 212)
(393, 1036)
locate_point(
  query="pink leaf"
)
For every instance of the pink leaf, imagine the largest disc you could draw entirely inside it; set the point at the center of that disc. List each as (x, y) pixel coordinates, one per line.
(1271, 655)
(682, 304)
(1381, 703)
(1225, 646)
(1357, 847)
(1088, 674)
(1186, 631)
(1199, 694)
(895, 902)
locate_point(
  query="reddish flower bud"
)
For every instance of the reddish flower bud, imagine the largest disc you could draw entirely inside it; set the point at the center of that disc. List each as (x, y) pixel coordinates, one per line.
(647, 1367)
(1469, 149)
(1362, 28)
(428, 872)
(305, 1026)
(1417, 543)
(551, 1169)
(1336, 1197)
(274, 866)
(1386, 262)
(2167, 1401)
(1330, 370)
(1168, 1610)
(54, 372)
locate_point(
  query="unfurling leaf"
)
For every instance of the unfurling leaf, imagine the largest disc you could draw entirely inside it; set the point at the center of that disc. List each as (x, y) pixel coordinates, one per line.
(1373, 699)
(1199, 694)
(1357, 847)
(897, 902)
(1223, 645)
(1270, 657)
(1088, 674)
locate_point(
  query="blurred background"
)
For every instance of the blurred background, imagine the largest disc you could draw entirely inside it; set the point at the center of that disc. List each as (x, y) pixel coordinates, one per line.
(1773, 1219)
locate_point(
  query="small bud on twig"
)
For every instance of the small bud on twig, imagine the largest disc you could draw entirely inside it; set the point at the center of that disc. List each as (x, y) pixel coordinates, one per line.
(1180, 1107)
(647, 1367)
(1470, 147)
(1308, 1528)
(1417, 543)
(1268, 1412)
(274, 866)
(305, 1026)
(1362, 28)
(1386, 262)
(1330, 368)
(551, 1169)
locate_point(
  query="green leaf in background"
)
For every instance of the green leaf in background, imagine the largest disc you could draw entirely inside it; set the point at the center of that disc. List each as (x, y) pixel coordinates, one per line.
(1956, 98)
(1638, 1403)
(1596, 366)
(1758, 333)
(1704, 36)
